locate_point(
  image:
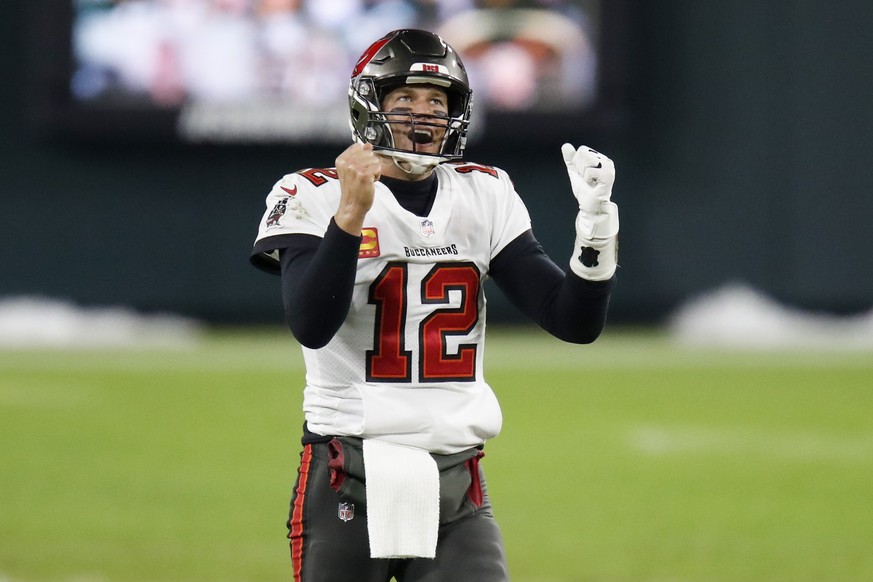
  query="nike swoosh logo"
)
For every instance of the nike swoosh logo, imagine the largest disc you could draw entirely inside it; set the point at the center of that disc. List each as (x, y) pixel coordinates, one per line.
(291, 192)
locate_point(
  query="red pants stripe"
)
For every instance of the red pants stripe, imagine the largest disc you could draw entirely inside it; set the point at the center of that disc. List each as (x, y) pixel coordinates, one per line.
(295, 523)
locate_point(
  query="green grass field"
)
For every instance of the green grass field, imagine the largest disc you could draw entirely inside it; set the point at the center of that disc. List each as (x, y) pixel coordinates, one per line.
(628, 460)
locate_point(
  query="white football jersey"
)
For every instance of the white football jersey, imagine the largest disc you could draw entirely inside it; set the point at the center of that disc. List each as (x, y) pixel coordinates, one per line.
(406, 366)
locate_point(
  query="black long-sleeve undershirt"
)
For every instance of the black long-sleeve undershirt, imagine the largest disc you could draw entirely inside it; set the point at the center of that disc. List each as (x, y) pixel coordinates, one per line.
(567, 306)
(318, 279)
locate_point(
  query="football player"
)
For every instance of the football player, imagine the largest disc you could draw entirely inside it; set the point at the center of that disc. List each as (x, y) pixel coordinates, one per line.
(382, 260)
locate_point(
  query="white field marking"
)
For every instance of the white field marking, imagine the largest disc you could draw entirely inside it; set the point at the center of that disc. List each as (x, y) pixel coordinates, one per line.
(522, 349)
(78, 578)
(254, 355)
(57, 395)
(798, 446)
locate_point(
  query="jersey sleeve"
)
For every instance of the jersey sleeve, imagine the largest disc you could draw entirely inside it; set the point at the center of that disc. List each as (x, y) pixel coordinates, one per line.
(510, 215)
(293, 206)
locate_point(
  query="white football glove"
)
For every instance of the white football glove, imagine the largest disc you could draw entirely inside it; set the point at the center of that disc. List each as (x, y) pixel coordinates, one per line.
(595, 256)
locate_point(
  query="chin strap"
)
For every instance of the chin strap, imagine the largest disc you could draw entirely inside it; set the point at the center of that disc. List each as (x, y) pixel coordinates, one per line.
(413, 164)
(412, 168)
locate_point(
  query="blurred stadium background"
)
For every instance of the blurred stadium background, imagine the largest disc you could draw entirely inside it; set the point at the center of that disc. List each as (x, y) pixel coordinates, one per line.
(740, 131)
(720, 430)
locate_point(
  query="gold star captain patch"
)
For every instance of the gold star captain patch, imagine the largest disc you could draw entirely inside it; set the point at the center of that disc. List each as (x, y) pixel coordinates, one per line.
(369, 243)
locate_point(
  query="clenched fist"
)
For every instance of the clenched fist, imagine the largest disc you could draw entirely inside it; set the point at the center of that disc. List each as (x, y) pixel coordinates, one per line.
(358, 169)
(591, 176)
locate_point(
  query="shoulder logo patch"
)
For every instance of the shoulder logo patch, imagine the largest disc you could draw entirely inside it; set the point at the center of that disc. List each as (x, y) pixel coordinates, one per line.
(276, 214)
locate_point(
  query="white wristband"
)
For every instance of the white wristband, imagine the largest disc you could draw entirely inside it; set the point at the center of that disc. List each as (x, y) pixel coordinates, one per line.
(595, 254)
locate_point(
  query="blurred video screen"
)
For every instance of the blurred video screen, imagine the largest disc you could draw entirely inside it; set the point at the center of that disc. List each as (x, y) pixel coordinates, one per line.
(278, 70)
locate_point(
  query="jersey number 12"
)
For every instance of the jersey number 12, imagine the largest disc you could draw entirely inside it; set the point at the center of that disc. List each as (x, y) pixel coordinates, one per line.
(389, 361)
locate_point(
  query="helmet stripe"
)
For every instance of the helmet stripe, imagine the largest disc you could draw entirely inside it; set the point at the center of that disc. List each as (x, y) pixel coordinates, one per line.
(369, 54)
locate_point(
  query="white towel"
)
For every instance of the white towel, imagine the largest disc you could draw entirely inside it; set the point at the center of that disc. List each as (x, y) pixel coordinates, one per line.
(403, 500)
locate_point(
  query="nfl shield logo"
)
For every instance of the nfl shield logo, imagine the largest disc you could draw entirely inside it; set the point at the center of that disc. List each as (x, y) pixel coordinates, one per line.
(427, 227)
(346, 511)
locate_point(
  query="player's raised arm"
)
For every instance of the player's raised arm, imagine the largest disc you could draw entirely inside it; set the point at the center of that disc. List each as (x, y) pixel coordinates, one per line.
(572, 305)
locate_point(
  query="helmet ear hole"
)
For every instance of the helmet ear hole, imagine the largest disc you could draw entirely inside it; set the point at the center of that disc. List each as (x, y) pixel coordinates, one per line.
(372, 134)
